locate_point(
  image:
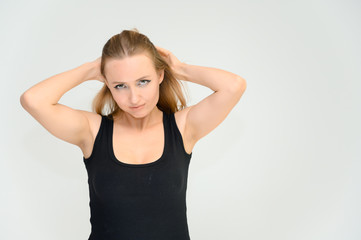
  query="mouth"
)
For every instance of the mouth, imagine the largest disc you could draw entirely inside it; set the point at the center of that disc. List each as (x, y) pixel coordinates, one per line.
(137, 107)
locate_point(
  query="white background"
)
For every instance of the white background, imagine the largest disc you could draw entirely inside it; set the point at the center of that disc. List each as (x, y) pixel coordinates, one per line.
(285, 164)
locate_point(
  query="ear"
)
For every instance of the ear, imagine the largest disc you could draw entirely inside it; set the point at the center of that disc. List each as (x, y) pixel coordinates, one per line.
(161, 76)
(106, 82)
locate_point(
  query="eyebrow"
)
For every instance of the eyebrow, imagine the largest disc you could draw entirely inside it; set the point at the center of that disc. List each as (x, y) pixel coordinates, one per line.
(135, 80)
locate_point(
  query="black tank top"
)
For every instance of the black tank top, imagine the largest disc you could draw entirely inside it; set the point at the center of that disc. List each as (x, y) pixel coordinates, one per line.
(138, 201)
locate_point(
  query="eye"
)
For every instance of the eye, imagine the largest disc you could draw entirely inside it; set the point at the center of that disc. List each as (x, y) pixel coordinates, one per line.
(141, 83)
(144, 82)
(116, 87)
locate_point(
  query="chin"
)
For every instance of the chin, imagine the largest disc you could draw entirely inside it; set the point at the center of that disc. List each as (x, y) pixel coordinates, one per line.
(138, 113)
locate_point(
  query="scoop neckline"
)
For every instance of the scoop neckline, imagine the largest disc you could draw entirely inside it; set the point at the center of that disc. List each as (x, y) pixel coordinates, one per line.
(114, 158)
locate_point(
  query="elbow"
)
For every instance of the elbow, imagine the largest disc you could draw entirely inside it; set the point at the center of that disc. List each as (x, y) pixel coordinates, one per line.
(240, 85)
(243, 84)
(26, 101)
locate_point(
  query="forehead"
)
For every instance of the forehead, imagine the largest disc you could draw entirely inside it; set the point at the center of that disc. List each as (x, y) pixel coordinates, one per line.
(128, 68)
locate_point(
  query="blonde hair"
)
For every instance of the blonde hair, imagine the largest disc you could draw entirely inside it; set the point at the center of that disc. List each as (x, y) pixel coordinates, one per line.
(129, 43)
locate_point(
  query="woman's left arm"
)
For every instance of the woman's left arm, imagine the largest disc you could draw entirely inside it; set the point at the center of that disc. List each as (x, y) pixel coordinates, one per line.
(207, 114)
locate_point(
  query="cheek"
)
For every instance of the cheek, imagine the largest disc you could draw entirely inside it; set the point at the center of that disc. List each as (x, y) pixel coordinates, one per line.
(118, 97)
(156, 90)
(155, 94)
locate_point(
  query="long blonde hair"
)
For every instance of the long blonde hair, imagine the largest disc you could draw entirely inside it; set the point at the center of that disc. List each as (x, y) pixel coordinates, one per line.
(129, 43)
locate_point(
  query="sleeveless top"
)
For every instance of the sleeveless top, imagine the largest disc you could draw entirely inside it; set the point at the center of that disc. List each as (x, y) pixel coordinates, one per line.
(138, 201)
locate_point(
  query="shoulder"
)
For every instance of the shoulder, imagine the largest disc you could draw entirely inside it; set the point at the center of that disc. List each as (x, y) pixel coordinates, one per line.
(180, 117)
(181, 120)
(94, 120)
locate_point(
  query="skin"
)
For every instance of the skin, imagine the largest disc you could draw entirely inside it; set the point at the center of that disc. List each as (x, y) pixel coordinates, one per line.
(135, 129)
(129, 89)
(132, 82)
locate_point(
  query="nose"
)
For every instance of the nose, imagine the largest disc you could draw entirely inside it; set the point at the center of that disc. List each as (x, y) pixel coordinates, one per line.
(133, 97)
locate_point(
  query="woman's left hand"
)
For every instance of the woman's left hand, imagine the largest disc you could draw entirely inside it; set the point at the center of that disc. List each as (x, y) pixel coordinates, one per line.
(172, 60)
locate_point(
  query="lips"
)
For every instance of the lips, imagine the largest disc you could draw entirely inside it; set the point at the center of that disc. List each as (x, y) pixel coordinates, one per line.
(137, 107)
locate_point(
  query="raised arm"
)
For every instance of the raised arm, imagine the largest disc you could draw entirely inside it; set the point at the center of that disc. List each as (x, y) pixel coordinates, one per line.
(41, 101)
(206, 115)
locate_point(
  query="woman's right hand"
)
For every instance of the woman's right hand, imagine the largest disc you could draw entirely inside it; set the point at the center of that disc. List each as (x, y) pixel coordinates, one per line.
(96, 75)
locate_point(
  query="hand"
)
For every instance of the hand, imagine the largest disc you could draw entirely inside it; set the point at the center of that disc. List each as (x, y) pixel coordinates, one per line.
(96, 70)
(172, 61)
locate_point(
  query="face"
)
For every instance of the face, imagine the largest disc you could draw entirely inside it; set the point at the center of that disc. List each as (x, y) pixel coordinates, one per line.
(134, 84)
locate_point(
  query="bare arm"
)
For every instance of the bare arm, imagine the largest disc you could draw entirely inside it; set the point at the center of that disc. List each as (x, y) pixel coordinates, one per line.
(41, 101)
(206, 115)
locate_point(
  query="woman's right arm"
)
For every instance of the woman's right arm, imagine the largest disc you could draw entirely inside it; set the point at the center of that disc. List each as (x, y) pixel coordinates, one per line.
(41, 101)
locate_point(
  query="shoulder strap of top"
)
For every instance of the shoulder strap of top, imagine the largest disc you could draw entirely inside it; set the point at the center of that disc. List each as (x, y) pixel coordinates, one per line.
(176, 134)
(100, 139)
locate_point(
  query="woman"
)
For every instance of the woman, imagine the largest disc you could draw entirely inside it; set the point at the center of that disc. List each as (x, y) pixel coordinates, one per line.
(136, 155)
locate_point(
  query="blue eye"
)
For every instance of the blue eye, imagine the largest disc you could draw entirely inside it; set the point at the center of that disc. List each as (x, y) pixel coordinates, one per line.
(116, 87)
(141, 83)
(145, 82)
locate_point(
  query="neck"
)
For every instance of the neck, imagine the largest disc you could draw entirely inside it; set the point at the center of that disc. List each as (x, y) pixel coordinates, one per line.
(139, 124)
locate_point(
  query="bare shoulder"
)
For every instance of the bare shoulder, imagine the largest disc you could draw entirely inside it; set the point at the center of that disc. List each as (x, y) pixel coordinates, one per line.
(94, 120)
(181, 118)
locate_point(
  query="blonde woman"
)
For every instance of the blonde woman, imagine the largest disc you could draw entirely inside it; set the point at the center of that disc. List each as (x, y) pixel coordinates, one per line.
(137, 143)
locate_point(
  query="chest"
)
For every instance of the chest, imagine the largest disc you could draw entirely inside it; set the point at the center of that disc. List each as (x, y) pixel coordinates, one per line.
(138, 147)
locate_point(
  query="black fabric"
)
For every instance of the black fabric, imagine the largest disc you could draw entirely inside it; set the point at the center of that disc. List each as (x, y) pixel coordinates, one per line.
(138, 201)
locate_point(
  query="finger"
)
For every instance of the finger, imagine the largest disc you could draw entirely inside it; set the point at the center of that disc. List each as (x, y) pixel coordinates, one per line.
(161, 49)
